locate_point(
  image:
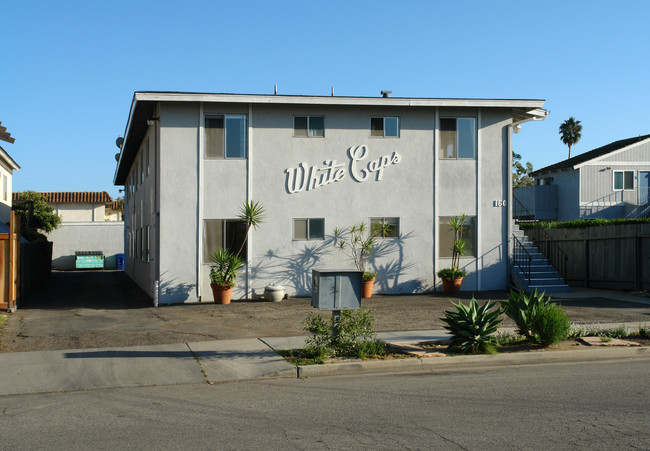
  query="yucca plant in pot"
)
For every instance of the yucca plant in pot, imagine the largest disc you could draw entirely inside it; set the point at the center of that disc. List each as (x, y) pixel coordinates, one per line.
(358, 242)
(453, 277)
(227, 264)
(223, 274)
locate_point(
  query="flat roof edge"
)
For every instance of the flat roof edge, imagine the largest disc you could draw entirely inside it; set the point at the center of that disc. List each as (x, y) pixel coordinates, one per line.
(334, 100)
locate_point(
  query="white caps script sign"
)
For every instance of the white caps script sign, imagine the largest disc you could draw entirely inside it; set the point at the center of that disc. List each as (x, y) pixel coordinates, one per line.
(306, 177)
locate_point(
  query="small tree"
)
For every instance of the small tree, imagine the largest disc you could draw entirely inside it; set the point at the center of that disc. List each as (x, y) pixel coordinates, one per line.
(358, 242)
(40, 217)
(571, 131)
(520, 173)
(458, 249)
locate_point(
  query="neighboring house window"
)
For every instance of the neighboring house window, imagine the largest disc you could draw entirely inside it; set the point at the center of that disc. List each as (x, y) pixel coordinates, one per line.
(223, 234)
(446, 236)
(386, 127)
(393, 229)
(4, 187)
(623, 180)
(309, 229)
(312, 126)
(457, 137)
(146, 244)
(226, 136)
(545, 181)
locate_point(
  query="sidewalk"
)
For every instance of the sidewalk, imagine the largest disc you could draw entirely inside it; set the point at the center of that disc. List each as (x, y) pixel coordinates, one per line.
(236, 360)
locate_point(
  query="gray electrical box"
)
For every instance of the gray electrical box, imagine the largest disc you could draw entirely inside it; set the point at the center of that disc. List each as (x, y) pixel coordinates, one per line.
(336, 289)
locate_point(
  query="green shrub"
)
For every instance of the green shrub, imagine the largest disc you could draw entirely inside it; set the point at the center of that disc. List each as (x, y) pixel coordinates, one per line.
(549, 324)
(472, 327)
(585, 223)
(520, 308)
(348, 335)
(644, 332)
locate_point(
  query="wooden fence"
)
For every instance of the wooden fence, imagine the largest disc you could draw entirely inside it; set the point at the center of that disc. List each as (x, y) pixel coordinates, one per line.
(615, 257)
(10, 264)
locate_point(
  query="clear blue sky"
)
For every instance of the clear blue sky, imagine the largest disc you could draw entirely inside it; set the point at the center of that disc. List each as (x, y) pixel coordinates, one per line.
(69, 68)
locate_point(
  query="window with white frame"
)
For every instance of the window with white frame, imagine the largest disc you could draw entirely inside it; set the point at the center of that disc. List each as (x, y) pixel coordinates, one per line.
(389, 227)
(623, 180)
(226, 234)
(384, 127)
(226, 136)
(447, 236)
(309, 229)
(4, 188)
(457, 137)
(309, 126)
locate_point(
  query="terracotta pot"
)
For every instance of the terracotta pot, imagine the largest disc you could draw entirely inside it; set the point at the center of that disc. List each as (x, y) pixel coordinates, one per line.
(366, 288)
(221, 293)
(451, 287)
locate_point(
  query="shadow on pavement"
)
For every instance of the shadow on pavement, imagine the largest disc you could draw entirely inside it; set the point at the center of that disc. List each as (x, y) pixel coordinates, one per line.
(89, 289)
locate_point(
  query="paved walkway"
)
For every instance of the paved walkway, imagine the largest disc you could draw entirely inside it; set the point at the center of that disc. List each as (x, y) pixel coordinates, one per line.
(221, 361)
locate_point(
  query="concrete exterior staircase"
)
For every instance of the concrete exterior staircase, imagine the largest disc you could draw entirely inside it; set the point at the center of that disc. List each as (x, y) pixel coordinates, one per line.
(543, 276)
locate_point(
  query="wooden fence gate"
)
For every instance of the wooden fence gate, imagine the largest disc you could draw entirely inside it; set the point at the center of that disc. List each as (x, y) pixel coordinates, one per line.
(10, 263)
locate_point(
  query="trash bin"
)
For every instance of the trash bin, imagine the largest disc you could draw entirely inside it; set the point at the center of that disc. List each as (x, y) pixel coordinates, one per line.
(119, 261)
(89, 260)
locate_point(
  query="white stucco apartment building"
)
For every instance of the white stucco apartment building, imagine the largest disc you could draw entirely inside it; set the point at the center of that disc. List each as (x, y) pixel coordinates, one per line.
(189, 160)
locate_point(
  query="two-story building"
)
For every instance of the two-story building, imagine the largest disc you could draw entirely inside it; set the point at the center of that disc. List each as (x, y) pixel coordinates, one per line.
(189, 160)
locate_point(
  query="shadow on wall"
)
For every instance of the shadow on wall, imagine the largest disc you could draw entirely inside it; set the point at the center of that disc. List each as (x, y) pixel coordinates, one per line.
(294, 270)
(174, 293)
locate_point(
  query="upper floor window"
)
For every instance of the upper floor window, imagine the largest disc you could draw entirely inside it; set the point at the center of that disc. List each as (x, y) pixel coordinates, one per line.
(313, 126)
(385, 127)
(388, 227)
(623, 180)
(309, 229)
(457, 137)
(226, 136)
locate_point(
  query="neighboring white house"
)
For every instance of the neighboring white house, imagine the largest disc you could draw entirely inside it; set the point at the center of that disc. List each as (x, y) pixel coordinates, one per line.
(83, 206)
(7, 168)
(612, 181)
(188, 161)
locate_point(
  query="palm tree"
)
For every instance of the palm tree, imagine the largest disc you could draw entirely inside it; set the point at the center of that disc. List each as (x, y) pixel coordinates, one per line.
(570, 131)
(252, 213)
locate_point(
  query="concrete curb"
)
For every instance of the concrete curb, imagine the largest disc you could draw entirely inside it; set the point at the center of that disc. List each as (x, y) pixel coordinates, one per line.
(459, 363)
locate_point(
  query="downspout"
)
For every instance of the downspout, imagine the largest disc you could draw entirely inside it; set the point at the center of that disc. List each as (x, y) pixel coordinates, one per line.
(199, 209)
(510, 196)
(249, 191)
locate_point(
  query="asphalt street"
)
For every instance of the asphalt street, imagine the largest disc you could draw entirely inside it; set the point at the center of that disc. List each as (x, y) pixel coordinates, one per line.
(595, 406)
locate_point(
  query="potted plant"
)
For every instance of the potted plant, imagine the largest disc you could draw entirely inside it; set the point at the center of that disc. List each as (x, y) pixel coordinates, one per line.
(223, 274)
(227, 264)
(453, 277)
(358, 242)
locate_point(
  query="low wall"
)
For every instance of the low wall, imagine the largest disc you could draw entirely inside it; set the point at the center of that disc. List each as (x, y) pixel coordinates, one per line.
(615, 257)
(69, 238)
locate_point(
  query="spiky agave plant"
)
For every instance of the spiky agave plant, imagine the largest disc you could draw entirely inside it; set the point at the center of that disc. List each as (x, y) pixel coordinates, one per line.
(472, 327)
(520, 307)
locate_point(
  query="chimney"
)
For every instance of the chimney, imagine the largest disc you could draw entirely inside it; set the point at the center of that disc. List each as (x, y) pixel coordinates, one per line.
(386, 94)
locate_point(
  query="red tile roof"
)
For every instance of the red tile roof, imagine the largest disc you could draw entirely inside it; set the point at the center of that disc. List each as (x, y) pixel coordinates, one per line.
(79, 197)
(117, 204)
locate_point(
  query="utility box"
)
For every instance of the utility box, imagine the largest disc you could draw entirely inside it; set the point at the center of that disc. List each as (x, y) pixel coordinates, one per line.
(89, 260)
(119, 261)
(336, 289)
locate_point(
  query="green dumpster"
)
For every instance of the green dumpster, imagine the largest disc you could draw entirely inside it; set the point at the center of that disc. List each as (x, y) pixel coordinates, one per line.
(89, 260)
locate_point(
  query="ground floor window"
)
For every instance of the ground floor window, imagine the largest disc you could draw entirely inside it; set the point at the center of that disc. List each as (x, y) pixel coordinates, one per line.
(392, 231)
(223, 234)
(309, 229)
(446, 236)
(623, 180)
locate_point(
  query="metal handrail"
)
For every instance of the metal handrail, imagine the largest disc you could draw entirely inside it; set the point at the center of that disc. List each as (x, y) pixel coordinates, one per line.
(521, 251)
(547, 246)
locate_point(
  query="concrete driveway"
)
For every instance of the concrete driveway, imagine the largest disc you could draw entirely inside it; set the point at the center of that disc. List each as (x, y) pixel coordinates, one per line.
(97, 309)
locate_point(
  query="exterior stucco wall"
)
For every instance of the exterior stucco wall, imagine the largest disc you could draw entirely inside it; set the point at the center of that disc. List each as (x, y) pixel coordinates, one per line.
(568, 193)
(192, 188)
(69, 238)
(80, 212)
(5, 196)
